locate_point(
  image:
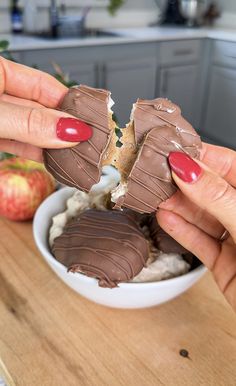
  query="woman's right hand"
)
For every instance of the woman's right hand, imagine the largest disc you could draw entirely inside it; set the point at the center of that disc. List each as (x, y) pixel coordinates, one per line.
(28, 119)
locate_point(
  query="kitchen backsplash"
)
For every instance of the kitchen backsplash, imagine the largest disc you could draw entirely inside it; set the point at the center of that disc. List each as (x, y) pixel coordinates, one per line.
(135, 13)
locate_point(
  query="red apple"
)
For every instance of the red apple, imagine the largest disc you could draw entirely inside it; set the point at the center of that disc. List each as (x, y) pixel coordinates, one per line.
(24, 185)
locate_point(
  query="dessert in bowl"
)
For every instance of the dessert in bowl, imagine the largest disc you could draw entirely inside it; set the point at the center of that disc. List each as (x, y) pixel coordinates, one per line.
(102, 238)
(124, 295)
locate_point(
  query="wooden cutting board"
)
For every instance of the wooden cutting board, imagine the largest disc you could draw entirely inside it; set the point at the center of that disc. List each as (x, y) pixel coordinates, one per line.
(50, 336)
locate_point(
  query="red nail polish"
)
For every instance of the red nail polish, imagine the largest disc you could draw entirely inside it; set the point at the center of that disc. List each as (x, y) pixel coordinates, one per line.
(73, 130)
(184, 167)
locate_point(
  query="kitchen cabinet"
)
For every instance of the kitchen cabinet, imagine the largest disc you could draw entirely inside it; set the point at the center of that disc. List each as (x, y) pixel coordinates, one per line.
(127, 70)
(179, 84)
(129, 80)
(82, 73)
(220, 114)
(178, 76)
(133, 70)
(79, 64)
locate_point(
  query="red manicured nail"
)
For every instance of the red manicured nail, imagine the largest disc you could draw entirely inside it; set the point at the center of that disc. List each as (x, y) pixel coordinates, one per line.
(184, 167)
(73, 130)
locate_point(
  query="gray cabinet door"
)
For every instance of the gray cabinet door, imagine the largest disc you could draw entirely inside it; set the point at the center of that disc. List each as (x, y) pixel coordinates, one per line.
(78, 64)
(179, 84)
(220, 119)
(82, 73)
(128, 80)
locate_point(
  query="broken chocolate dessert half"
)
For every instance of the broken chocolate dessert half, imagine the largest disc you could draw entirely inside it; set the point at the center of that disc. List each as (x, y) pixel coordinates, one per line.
(81, 165)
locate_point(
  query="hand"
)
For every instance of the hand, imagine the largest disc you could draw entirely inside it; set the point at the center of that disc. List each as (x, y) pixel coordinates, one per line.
(29, 122)
(198, 215)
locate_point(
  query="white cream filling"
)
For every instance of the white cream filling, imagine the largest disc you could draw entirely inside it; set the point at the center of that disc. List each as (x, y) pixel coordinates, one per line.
(110, 104)
(166, 266)
(118, 191)
(74, 206)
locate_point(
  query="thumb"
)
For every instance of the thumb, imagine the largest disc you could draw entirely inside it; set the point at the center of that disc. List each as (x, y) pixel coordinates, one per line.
(206, 189)
(41, 127)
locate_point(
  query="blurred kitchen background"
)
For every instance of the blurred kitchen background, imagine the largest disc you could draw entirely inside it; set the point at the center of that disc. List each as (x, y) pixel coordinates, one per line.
(184, 50)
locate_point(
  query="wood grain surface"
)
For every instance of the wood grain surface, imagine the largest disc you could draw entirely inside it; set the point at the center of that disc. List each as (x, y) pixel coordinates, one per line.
(50, 336)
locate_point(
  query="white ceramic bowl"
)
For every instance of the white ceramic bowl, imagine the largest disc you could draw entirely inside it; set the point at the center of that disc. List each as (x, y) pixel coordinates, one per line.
(127, 295)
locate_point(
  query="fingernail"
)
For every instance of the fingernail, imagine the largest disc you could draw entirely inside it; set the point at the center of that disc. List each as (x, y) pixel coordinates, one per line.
(73, 130)
(184, 167)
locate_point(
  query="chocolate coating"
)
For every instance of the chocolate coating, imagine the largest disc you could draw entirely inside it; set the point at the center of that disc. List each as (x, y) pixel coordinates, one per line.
(159, 129)
(80, 166)
(162, 240)
(107, 245)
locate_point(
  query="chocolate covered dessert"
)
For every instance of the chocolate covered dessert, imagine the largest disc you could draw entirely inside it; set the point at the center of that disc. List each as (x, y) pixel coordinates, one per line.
(114, 246)
(140, 152)
(81, 165)
(107, 245)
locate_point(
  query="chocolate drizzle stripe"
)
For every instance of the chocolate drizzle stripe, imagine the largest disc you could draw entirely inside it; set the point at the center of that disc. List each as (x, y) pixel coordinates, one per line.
(122, 241)
(86, 235)
(77, 161)
(103, 254)
(57, 174)
(52, 158)
(93, 146)
(101, 113)
(142, 202)
(85, 118)
(99, 221)
(123, 258)
(96, 223)
(83, 157)
(82, 91)
(163, 119)
(104, 228)
(151, 175)
(157, 149)
(155, 181)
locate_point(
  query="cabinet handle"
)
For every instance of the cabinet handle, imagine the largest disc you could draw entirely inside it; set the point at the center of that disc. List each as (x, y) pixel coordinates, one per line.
(97, 75)
(165, 82)
(104, 76)
(187, 51)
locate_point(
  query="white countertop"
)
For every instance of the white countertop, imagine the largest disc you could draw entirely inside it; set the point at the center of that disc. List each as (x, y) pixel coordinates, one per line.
(129, 35)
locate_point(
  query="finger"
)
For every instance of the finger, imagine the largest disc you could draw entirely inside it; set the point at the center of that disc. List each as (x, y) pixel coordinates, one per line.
(182, 206)
(21, 149)
(42, 127)
(28, 83)
(221, 160)
(219, 258)
(19, 101)
(205, 247)
(206, 189)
